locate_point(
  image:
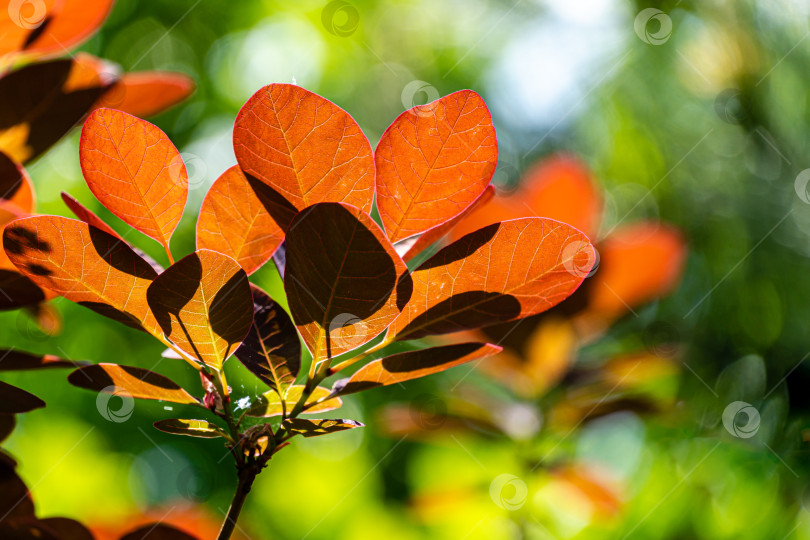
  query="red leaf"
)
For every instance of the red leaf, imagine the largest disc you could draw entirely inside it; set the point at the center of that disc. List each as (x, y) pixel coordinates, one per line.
(344, 281)
(503, 272)
(65, 24)
(83, 264)
(146, 93)
(304, 147)
(409, 365)
(204, 305)
(15, 400)
(271, 350)
(15, 185)
(433, 162)
(135, 171)
(234, 220)
(136, 382)
(437, 233)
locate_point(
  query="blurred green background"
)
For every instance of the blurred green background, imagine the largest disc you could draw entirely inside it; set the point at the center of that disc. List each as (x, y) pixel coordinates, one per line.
(696, 114)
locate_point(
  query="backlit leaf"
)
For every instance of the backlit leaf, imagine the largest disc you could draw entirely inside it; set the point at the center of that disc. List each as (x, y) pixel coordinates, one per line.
(83, 264)
(146, 93)
(193, 428)
(41, 102)
(271, 350)
(433, 162)
(637, 263)
(15, 185)
(304, 147)
(136, 382)
(503, 272)
(135, 171)
(157, 531)
(15, 400)
(409, 365)
(84, 214)
(314, 428)
(204, 305)
(14, 360)
(435, 234)
(67, 529)
(269, 404)
(234, 220)
(344, 281)
(65, 23)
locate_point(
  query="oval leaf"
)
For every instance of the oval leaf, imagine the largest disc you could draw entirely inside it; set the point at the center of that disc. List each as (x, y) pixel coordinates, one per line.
(344, 281)
(409, 365)
(15, 499)
(67, 24)
(314, 428)
(193, 428)
(204, 305)
(234, 220)
(83, 264)
(269, 404)
(135, 171)
(136, 382)
(433, 162)
(304, 147)
(503, 272)
(146, 93)
(271, 350)
(157, 531)
(15, 400)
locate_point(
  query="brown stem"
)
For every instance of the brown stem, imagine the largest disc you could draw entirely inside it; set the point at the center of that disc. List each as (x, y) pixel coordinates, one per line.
(246, 477)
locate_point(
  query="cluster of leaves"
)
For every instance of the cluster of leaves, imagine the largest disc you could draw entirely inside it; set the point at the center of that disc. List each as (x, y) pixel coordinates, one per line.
(42, 98)
(306, 177)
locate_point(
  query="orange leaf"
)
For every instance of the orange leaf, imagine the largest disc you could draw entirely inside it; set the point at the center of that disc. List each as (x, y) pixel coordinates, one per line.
(135, 171)
(204, 305)
(269, 404)
(304, 147)
(83, 264)
(271, 350)
(409, 365)
(40, 103)
(433, 162)
(15, 185)
(637, 263)
(138, 383)
(64, 23)
(503, 272)
(344, 281)
(234, 220)
(146, 93)
(437, 233)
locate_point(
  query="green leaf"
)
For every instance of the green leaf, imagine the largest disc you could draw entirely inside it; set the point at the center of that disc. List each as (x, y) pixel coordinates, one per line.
(314, 428)
(269, 404)
(193, 428)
